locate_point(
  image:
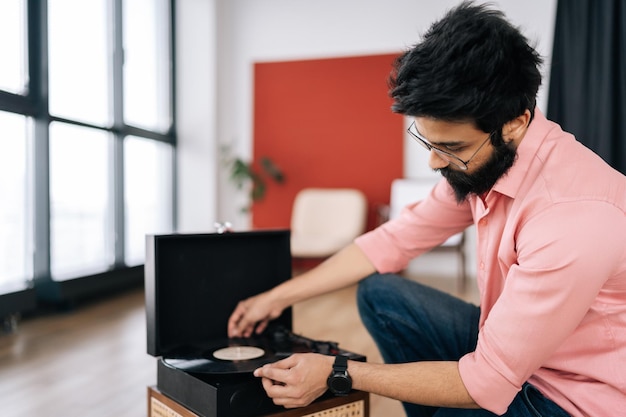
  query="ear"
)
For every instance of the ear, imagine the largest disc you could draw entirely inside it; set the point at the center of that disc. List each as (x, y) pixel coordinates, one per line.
(515, 129)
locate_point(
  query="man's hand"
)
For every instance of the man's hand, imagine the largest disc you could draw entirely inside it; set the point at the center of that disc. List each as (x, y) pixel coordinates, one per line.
(252, 315)
(296, 381)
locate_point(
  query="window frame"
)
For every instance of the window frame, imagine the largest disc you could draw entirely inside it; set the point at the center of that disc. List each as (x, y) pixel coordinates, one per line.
(34, 103)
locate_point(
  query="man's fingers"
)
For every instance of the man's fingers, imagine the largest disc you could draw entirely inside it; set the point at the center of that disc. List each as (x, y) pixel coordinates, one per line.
(281, 394)
(261, 326)
(236, 320)
(238, 324)
(246, 319)
(276, 374)
(283, 364)
(233, 330)
(288, 384)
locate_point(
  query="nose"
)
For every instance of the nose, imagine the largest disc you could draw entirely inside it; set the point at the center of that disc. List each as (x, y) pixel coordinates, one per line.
(436, 162)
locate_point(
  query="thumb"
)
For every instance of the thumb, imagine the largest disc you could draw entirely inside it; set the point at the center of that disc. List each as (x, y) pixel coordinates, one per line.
(276, 368)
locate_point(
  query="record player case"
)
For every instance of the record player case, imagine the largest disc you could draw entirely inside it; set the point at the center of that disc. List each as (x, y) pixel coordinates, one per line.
(192, 284)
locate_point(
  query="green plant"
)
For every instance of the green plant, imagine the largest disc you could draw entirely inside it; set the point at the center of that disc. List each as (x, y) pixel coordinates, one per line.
(242, 173)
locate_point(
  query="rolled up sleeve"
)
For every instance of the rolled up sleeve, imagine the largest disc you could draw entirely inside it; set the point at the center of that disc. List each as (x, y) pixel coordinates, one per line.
(420, 227)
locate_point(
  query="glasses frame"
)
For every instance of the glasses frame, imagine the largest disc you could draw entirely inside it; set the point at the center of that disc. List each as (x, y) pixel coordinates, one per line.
(446, 156)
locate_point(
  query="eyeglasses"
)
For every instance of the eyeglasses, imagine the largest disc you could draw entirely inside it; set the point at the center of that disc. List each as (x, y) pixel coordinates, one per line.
(446, 156)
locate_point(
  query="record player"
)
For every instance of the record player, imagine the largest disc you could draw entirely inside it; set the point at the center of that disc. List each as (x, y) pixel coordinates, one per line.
(192, 284)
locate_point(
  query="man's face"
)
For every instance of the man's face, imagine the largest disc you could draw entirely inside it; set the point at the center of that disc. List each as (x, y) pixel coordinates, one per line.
(485, 162)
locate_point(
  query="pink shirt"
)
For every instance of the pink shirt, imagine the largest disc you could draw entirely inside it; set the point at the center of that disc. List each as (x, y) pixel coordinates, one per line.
(551, 246)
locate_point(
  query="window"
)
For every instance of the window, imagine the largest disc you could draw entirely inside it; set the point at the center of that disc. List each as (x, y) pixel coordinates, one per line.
(81, 227)
(16, 208)
(86, 136)
(146, 65)
(79, 64)
(12, 26)
(147, 193)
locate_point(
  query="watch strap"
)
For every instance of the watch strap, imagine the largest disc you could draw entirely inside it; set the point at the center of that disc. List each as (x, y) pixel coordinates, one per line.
(341, 363)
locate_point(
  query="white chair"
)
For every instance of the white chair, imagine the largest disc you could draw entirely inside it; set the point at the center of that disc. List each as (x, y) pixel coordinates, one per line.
(324, 220)
(405, 191)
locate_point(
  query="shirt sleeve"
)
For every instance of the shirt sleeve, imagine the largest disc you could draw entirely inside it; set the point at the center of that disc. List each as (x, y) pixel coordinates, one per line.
(420, 227)
(565, 254)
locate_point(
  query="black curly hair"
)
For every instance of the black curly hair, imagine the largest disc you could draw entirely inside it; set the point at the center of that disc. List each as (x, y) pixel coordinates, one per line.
(472, 65)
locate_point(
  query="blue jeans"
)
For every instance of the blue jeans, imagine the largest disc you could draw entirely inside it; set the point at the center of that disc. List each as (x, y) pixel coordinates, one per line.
(412, 322)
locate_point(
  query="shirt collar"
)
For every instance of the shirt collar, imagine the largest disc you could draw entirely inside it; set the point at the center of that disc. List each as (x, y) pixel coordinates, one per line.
(510, 183)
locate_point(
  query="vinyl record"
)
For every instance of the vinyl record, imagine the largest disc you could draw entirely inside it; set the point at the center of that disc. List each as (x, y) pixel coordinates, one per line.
(230, 356)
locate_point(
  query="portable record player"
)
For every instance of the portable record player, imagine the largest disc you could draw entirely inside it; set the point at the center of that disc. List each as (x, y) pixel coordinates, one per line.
(192, 284)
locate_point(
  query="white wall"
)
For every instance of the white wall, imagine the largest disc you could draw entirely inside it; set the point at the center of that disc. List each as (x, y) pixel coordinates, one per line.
(250, 31)
(197, 170)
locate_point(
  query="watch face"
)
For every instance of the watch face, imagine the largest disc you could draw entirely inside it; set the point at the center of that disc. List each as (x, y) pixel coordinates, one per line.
(340, 384)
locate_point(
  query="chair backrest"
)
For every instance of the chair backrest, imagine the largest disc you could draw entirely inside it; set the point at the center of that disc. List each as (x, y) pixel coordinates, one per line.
(324, 220)
(405, 191)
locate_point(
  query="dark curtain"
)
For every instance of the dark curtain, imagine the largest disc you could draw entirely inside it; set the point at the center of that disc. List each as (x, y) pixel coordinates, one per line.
(587, 94)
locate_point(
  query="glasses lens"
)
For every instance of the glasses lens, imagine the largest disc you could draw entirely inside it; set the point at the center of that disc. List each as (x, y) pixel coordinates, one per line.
(453, 159)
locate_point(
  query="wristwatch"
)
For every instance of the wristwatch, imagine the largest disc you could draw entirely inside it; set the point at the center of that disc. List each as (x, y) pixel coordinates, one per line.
(339, 381)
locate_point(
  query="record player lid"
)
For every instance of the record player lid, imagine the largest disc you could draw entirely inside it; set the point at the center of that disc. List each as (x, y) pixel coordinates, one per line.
(194, 281)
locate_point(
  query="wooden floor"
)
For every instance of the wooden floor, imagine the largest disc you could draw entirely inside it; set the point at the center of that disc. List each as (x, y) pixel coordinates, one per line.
(92, 361)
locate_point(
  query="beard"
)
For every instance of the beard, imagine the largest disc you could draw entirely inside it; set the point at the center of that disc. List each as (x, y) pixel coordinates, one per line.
(481, 180)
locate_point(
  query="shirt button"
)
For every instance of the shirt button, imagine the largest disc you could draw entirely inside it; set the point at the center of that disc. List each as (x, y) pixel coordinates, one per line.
(482, 265)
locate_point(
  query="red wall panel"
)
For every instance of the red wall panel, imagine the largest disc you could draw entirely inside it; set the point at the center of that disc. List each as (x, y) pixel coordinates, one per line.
(326, 123)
